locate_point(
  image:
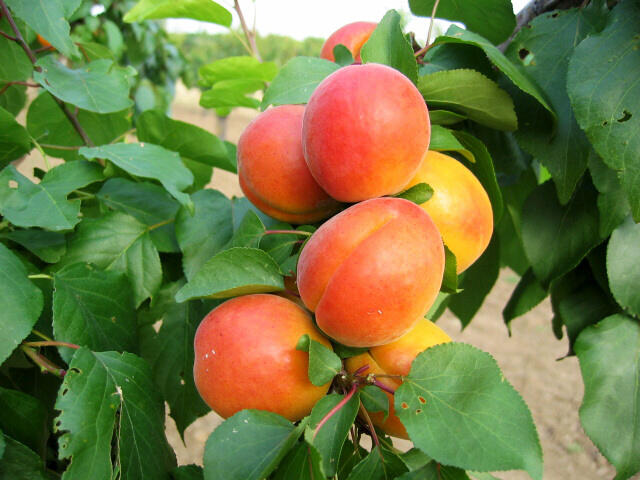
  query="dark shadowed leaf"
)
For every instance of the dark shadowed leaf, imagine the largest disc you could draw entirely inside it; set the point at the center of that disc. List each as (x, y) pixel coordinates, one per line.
(527, 294)
(20, 462)
(301, 463)
(14, 138)
(24, 418)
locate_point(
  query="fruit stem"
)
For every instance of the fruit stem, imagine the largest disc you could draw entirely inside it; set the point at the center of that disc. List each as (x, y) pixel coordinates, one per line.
(51, 343)
(335, 409)
(287, 232)
(362, 369)
(44, 364)
(382, 386)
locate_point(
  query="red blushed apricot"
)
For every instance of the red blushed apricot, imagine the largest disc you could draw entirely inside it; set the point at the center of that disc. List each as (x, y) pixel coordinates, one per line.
(395, 359)
(459, 207)
(365, 131)
(272, 171)
(246, 357)
(353, 36)
(370, 272)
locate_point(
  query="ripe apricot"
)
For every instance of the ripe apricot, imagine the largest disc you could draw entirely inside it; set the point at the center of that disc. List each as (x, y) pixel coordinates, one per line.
(395, 359)
(272, 171)
(43, 41)
(365, 131)
(370, 272)
(353, 36)
(459, 207)
(246, 357)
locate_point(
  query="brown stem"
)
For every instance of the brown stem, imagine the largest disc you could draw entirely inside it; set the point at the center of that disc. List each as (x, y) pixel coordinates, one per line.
(6, 35)
(43, 49)
(44, 364)
(427, 44)
(335, 409)
(362, 369)
(19, 38)
(51, 343)
(372, 430)
(383, 387)
(250, 35)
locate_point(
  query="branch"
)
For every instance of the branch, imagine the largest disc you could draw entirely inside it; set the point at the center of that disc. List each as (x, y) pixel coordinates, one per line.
(20, 39)
(251, 35)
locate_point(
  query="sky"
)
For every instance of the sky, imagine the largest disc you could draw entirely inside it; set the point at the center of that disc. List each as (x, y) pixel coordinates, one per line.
(305, 18)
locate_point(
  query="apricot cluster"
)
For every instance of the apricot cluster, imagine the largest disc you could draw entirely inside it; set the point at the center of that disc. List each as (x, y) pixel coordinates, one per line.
(370, 272)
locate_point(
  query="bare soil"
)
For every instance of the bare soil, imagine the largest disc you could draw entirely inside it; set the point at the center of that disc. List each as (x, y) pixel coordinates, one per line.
(553, 389)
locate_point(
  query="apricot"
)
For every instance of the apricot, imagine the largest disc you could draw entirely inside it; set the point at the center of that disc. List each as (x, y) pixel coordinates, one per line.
(395, 359)
(459, 207)
(246, 357)
(272, 171)
(43, 41)
(370, 272)
(353, 36)
(365, 131)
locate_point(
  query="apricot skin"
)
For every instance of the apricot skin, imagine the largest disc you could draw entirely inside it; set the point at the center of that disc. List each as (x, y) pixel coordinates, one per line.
(353, 36)
(370, 272)
(395, 359)
(365, 131)
(460, 207)
(246, 357)
(272, 171)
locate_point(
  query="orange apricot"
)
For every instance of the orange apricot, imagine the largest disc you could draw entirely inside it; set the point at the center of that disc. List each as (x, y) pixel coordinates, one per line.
(246, 357)
(353, 36)
(459, 207)
(365, 131)
(272, 171)
(372, 271)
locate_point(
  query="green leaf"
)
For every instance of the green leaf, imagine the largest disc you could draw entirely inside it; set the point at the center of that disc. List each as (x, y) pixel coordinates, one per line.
(443, 140)
(187, 472)
(232, 68)
(148, 161)
(48, 246)
(472, 94)
(170, 353)
(450, 277)
(379, 464)
(609, 354)
(494, 19)
(24, 418)
(14, 138)
(557, 237)
(323, 363)
(527, 294)
(14, 97)
(388, 45)
(45, 204)
(330, 438)
(232, 93)
(477, 282)
(93, 308)
(301, 463)
(148, 203)
(238, 271)
(613, 208)
(249, 445)
(296, 81)
(417, 194)
(606, 98)
(99, 86)
(121, 243)
(415, 459)
(188, 140)
(623, 256)
(203, 10)
(458, 392)
(483, 169)
(280, 245)
(342, 55)
(445, 117)
(14, 63)
(20, 462)
(458, 35)
(565, 150)
(48, 19)
(95, 51)
(374, 400)
(204, 233)
(433, 471)
(48, 124)
(248, 233)
(349, 458)
(98, 388)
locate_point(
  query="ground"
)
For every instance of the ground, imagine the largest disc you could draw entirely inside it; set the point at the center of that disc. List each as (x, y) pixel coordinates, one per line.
(529, 358)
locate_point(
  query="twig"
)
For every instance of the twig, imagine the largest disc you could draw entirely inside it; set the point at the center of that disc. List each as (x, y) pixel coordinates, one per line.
(51, 343)
(427, 44)
(16, 30)
(335, 409)
(382, 386)
(60, 147)
(6, 35)
(43, 49)
(372, 429)
(44, 363)
(251, 36)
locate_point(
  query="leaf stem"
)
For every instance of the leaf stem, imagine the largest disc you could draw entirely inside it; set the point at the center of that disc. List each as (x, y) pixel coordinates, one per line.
(6, 35)
(382, 386)
(40, 275)
(372, 430)
(287, 232)
(40, 360)
(41, 335)
(428, 44)
(335, 409)
(52, 343)
(60, 147)
(161, 224)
